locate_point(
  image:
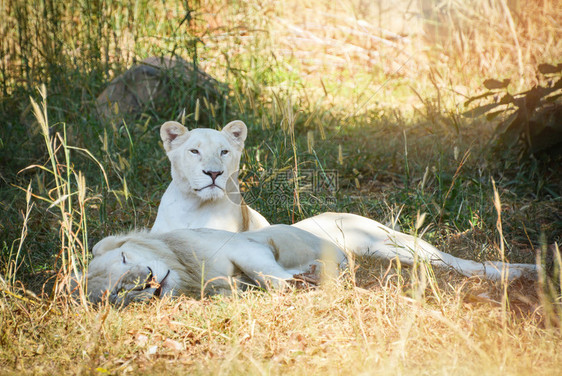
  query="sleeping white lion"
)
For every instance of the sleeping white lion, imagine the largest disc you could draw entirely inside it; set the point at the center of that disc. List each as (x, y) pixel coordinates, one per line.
(196, 262)
(204, 192)
(141, 265)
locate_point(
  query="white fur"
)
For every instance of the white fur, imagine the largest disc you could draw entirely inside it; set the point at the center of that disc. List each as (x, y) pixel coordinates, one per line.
(196, 261)
(182, 208)
(363, 236)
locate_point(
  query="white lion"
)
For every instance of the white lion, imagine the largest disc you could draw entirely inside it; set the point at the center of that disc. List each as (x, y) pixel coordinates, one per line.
(140, 265)
(204, 192)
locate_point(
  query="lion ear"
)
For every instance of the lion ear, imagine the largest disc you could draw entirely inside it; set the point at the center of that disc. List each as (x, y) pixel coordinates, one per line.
(236, 130)
(169, 131)
(108, 244)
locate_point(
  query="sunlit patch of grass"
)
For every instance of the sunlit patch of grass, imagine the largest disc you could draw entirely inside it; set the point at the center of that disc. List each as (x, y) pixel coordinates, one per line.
(345, 329)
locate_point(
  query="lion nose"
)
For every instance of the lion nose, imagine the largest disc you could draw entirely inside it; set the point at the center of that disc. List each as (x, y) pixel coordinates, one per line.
(213, 174)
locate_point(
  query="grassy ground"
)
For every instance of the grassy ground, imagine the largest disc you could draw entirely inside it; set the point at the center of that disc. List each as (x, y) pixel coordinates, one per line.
(335, 90)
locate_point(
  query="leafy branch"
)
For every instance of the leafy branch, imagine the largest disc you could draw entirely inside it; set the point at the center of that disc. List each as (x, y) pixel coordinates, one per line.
(532, 120)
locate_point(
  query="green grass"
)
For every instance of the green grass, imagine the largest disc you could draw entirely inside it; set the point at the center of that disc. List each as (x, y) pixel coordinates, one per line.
(405, 150)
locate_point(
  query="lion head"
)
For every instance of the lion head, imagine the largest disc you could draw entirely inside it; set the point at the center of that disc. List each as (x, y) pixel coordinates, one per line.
(205, 161)
(131, 269)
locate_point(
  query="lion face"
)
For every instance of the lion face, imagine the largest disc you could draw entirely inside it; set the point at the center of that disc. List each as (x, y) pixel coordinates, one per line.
(205, 161)
(128, 271)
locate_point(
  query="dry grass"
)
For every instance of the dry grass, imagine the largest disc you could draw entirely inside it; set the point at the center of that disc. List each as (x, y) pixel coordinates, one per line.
(349, 51)
(336, 330)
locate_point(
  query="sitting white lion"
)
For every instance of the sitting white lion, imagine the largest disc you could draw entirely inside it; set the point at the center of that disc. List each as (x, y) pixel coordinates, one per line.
(204, 192)
(140, 265)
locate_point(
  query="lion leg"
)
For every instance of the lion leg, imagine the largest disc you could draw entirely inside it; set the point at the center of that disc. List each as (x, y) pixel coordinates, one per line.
(258, 263)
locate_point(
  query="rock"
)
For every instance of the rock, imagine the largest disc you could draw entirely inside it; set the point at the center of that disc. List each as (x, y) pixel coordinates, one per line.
(150, 83)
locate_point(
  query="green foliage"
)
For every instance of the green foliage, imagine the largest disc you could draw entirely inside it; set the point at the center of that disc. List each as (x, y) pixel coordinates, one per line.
(532, 120)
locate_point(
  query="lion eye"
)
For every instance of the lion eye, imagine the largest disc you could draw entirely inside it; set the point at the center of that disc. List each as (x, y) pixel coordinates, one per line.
(224, 152)
(194, 151)
(123, 257)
